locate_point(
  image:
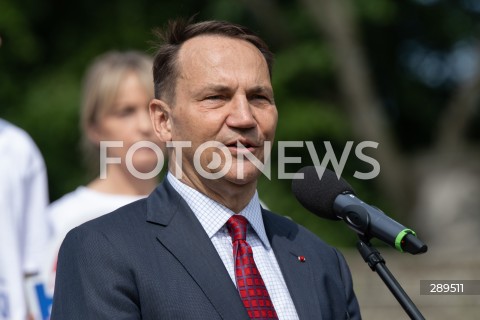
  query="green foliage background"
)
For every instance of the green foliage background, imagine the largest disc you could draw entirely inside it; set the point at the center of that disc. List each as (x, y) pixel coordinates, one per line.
(46, 46)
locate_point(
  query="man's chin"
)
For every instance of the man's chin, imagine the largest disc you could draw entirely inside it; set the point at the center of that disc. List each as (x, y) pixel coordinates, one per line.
(242, 178)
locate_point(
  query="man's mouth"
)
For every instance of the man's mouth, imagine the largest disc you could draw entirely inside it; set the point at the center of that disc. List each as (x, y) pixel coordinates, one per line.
(242, 146)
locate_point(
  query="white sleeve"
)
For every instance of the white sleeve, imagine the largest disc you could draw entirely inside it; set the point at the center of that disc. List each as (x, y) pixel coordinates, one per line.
(23, 222)
(37, 230)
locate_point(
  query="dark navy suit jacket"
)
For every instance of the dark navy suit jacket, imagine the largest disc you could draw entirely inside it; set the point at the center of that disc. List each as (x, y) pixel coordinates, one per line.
(153, 260)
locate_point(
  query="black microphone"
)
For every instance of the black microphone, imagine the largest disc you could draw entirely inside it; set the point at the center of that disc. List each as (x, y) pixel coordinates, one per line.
(333, 198)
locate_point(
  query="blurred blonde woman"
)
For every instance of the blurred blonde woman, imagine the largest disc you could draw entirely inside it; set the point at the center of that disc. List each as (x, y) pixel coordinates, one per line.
(117, 89)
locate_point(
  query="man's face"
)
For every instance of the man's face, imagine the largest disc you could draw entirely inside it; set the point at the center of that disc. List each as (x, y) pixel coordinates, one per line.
(223, 94)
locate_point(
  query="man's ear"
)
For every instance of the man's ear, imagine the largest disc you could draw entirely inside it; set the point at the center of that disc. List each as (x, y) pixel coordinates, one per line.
(161, 120)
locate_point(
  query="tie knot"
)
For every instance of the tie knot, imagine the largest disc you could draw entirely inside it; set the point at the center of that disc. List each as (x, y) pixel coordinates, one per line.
(237, 227)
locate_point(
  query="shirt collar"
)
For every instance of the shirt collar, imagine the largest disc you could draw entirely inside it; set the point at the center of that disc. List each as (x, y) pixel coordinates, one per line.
(213, 215)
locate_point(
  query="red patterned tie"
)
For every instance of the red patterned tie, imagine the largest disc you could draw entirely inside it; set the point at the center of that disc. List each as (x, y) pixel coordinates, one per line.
(250, 285)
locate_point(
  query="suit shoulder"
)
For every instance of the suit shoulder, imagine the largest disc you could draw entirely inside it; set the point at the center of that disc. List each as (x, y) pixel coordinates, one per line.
(124, 217)
(119, 231)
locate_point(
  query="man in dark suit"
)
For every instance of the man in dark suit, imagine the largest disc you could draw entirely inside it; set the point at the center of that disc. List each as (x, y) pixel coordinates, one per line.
(200, 246)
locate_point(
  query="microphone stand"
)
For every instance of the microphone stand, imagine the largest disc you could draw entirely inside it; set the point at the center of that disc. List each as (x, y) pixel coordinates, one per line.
(376, 262)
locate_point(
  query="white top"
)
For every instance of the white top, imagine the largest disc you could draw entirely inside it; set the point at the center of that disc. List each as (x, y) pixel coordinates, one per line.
(23, 223)
(213, 217)
(68, 212)
(82, 205)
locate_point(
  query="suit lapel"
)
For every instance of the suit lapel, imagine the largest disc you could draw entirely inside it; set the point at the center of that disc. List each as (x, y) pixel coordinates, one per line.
(185, 238)
(298, 275)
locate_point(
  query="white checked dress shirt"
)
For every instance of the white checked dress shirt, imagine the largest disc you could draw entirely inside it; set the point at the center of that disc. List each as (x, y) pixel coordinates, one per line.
(213, 216)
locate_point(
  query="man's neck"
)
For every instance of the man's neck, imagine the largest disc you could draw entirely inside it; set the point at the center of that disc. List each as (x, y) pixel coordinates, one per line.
(230, 194)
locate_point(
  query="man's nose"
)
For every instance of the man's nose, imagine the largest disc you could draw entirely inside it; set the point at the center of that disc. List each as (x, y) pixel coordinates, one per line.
(241, 113)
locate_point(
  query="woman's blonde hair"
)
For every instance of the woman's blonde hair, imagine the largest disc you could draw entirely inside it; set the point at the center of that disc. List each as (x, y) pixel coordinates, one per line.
(100, 88)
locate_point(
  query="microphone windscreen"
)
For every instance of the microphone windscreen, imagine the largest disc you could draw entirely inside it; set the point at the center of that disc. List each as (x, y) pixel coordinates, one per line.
(318, 195)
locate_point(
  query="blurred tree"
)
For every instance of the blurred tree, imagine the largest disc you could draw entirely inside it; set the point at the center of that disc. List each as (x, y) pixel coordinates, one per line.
(438, 184)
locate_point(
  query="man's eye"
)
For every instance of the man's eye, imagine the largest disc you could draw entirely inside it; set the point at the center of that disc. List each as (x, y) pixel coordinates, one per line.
(214, 97)
(260, 97)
